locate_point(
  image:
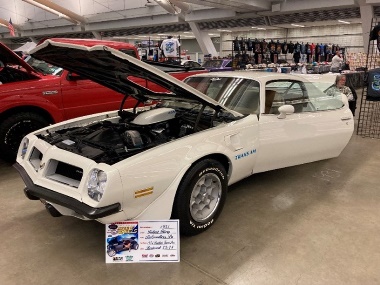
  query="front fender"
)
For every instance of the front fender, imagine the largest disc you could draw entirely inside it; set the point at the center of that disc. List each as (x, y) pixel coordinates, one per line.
(36, 102)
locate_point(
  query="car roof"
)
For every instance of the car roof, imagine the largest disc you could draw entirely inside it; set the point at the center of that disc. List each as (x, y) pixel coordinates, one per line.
(261, 77)
(322, 78)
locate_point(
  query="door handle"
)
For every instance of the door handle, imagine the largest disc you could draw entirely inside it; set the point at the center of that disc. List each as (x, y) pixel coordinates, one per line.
(345, 118)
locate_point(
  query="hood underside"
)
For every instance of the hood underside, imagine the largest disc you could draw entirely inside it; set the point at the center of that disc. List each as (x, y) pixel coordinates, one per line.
(8, 57)
(111, 68)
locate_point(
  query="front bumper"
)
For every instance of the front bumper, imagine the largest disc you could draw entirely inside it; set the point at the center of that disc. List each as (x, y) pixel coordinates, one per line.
(35, 192)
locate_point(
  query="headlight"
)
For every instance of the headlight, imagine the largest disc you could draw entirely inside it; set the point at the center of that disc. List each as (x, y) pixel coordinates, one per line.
(96, 184)
(24, 149)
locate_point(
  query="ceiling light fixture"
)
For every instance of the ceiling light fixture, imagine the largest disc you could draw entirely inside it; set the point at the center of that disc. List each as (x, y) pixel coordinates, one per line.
(261, 28)
(3, 23)
(57, 10)
(344, 22)
(221, 30)
(296, 25)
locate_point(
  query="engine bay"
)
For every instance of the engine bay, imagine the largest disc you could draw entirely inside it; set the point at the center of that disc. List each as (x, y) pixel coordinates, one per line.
(109, 142)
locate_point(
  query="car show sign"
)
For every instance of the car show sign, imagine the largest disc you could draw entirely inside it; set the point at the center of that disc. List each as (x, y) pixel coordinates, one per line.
(142, 241)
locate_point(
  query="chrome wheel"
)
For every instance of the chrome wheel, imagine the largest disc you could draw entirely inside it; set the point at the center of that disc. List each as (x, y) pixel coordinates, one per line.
(205, 197)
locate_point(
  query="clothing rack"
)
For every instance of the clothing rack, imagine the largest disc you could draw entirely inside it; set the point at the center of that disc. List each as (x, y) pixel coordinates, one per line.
(369, 114)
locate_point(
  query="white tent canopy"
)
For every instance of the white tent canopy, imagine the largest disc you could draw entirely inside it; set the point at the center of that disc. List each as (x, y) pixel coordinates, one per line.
(25, 48)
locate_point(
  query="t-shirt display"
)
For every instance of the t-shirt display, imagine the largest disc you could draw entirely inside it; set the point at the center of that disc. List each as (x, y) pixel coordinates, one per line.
(263, 51)
(291, 47)
(170, 46)
(284, 47)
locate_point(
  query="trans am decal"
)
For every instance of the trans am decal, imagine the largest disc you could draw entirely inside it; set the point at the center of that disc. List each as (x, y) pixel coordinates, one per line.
(245, 154)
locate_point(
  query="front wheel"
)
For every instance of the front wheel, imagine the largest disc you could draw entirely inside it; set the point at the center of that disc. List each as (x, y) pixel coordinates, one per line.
(200, 197)
(14, 128)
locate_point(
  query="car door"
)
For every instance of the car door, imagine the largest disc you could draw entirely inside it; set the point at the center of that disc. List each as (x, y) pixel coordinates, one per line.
(241, 95)
(319, 128)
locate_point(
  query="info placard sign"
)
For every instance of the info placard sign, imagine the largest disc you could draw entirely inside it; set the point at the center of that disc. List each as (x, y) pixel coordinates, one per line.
(142, 241)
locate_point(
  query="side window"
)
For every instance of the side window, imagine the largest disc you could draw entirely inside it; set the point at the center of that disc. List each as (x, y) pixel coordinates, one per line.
(285, 92)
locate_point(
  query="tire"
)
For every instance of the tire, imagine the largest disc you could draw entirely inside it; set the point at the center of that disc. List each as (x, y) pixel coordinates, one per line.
(111, 252)
(14, 128)
(135, 246)
(197, 205)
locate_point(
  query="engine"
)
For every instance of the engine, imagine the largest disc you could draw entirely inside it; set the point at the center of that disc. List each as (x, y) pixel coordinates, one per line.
(110, 142)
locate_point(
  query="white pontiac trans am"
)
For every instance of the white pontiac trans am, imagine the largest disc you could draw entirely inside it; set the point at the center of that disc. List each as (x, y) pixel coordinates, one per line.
(176, 157)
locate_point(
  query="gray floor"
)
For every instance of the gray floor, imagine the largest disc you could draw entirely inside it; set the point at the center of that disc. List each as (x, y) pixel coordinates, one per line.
(317, 223)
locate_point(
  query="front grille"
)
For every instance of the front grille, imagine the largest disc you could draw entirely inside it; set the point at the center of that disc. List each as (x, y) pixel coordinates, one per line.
(35, 158)
(64, 173)
(69, 171)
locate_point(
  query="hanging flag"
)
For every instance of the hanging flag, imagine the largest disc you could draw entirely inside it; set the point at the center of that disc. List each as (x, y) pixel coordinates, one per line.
(11, 28)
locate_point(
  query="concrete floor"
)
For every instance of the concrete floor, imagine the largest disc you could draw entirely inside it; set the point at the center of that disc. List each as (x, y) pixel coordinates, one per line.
(317, 223)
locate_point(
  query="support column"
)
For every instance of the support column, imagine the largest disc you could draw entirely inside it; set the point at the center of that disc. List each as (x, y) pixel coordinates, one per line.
(366, 14)
(97, 35)
(203, 40)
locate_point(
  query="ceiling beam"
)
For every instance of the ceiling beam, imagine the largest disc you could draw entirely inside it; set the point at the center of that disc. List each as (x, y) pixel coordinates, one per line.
(56, 9)
(235, 5)
(302, 5)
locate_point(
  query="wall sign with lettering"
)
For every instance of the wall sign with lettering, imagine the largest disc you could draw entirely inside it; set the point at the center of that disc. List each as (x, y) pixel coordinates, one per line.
(142, 241)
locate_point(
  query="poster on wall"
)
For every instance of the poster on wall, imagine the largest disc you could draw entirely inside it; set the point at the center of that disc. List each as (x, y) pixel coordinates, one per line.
(142, 241)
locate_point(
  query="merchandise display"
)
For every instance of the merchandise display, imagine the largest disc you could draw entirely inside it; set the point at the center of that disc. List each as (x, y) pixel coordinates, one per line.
(264, 51)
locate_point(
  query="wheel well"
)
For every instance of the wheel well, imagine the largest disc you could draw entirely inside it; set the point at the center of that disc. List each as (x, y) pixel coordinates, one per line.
(224, 160)
(31, 109)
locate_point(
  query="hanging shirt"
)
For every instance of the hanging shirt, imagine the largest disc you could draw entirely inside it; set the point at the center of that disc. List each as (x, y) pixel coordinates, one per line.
(278, 47)
(291, 47)
(284, 48)
(312, 48)
(249, 44)
(308, 50)
(258, 46)
(265, 46)
(303, 49)
(322, 48)
(236, 44)
(169, 47)
(297, 48)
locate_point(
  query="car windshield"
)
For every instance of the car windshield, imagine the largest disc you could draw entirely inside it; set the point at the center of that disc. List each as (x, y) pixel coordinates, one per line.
(238, 94)
(44, 67)
(213, 63)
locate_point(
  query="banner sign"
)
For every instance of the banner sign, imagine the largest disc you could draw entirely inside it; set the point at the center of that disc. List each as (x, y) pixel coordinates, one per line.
(142, 241)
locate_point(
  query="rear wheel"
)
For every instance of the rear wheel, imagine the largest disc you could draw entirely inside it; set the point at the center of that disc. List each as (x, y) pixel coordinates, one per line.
(200, 197)
(14, 128)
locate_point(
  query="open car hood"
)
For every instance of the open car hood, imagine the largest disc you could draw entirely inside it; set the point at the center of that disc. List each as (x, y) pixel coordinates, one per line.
(8, 57)
(111, 68)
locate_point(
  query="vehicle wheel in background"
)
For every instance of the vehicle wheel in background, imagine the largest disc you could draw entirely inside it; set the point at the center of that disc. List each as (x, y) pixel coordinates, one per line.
(200, 197)
(14, 128)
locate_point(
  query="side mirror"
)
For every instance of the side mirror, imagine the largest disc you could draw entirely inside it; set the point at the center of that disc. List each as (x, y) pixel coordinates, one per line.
(285, 110)
(72, 76)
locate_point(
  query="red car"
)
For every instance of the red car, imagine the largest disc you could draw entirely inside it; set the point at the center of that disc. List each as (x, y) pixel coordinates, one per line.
(34, 94)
